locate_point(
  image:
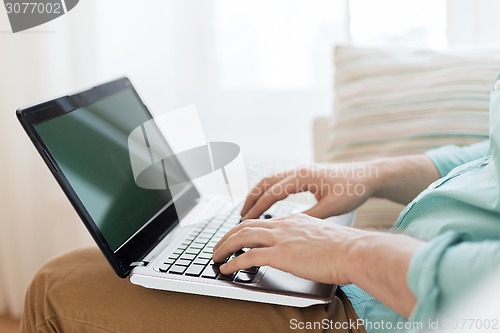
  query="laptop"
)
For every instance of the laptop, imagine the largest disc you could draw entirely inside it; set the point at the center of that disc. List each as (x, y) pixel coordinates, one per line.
(142, 232)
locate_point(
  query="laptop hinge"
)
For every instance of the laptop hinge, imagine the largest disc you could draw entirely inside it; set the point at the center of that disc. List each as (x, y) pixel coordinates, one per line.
(139, 263)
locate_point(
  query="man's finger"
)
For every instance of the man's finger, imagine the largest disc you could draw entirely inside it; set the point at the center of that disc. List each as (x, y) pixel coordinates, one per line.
(245, 238)
(260, 188)
(277, 192)
(257, 191)
(245, 224)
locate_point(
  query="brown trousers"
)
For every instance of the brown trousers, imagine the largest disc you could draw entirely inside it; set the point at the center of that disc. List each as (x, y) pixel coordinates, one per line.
(79, 292)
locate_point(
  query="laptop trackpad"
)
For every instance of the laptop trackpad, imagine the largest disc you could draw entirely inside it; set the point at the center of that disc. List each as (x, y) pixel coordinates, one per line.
(278, 281)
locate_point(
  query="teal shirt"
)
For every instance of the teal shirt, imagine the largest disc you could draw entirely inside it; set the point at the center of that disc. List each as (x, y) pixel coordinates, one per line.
(459, 217)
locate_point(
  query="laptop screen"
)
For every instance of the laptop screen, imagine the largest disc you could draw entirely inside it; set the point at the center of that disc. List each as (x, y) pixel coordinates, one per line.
(90, 146)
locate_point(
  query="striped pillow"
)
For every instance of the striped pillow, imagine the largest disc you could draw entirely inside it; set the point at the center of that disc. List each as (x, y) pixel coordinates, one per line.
(396, 102)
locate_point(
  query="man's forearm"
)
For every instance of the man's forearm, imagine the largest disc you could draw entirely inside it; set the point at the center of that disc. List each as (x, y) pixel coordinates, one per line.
(378, 263)
(401, 179)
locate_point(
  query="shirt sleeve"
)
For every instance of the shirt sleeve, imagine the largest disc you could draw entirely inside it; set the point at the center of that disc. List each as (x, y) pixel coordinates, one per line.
(448, 157)
(443, 268)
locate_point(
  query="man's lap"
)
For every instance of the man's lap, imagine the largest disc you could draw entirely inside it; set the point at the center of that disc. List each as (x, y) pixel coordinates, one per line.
(80, 292)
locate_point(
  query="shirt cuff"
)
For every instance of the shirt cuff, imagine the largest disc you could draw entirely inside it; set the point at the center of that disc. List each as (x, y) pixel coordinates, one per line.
(448, 157)
(422, 276)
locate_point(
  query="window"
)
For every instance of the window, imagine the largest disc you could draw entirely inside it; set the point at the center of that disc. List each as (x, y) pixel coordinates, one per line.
(276, 44)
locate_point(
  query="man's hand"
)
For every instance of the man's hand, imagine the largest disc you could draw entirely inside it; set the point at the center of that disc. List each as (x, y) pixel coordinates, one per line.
(325, 252)
(341, 188)
(338, 188)
(299, 244)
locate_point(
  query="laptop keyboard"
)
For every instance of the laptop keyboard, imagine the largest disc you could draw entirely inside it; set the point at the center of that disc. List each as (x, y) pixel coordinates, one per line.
(194, 256)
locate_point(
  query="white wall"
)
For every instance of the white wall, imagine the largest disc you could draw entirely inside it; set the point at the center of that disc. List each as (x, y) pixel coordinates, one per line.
(258, 71)
(471, 22)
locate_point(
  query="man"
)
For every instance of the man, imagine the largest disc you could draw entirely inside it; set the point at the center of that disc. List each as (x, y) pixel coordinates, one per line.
(445, 241)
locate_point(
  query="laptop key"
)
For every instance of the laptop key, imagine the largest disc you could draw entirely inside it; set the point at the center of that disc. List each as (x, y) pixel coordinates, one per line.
(201, 261)
(252, 270)
(194, 270)
(239, 252)
(244, 277)
(182, 262)
(218, 235)
(175, 269)
(186, 256)
(164, 267)
(204, 255)
(210, 272)
(225, 277)
(169, 261)
(192, 251)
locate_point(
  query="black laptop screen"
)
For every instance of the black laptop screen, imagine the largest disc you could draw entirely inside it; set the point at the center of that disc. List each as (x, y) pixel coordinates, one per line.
(90, 146)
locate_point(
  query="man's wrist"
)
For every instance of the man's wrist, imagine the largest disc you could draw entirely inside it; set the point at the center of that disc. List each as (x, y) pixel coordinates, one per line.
(382, 180)
(378, 262)
(397, 179)
(351, 253)
(354, 249)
